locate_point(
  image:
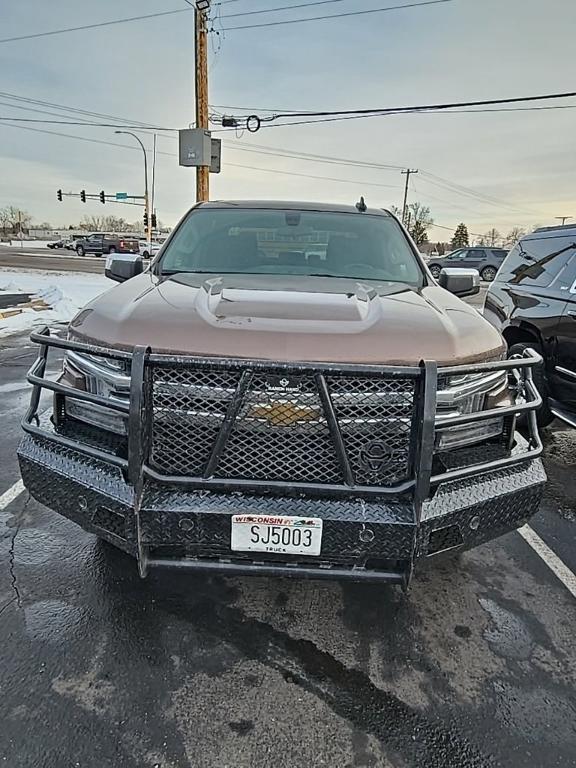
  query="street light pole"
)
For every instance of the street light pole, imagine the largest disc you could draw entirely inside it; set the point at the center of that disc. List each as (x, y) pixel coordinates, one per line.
(146, 198)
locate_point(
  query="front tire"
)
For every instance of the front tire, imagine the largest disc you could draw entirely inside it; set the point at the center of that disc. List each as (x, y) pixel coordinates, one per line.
(544, 415)
(80, 250)
(112, 249)
(488, 274)
(435, 270)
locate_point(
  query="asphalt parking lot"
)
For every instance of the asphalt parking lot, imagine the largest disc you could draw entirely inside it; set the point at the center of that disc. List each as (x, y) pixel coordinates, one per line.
(475, 666)
(49, 259)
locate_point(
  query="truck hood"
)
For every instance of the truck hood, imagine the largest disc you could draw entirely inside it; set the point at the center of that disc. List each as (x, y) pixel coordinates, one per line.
(288, 318)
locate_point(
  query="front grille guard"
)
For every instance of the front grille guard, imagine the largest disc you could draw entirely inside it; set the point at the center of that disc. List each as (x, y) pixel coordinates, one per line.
(139, 414)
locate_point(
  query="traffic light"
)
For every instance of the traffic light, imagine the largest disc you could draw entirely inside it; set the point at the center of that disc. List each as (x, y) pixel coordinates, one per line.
(146, 219)
(83, 195)
(59, 195)
(102, 197)
(153, 221)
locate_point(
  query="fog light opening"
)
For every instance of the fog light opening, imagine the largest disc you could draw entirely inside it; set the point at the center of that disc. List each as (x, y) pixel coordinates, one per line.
(366, 535)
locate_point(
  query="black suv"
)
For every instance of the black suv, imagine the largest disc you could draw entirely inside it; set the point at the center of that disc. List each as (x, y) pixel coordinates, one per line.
(533, 303)
(486, 260)
(100, 243)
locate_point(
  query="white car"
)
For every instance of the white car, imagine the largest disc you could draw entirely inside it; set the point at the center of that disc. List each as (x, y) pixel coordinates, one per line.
(148, 249)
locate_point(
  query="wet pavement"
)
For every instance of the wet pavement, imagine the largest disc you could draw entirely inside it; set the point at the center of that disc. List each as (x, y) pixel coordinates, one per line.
(475, 667)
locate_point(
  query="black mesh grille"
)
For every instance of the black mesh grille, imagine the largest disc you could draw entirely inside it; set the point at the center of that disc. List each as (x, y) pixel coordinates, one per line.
(375, 419)
(279, 428)
(189, 408)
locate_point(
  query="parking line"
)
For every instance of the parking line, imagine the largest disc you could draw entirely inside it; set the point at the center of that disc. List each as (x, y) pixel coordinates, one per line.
(11, 494)
(558, 568)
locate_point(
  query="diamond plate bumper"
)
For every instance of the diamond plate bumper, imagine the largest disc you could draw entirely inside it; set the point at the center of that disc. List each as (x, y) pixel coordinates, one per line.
(364, 539)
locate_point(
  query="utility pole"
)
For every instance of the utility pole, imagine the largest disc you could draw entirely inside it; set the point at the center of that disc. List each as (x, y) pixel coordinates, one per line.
(203, 171)
(406, 173)
(563, 219)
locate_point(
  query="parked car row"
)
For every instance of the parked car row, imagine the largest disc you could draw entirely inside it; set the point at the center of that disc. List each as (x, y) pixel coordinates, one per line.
(104, 243)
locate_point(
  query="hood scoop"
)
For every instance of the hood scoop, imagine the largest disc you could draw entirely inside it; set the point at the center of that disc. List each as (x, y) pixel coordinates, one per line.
(225, 303)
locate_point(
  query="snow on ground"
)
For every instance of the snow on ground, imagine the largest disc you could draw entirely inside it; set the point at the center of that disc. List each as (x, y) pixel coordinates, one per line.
(28, 243)
(65, 292)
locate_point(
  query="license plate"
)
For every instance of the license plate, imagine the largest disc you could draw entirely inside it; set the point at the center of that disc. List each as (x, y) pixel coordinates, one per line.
(277, 535)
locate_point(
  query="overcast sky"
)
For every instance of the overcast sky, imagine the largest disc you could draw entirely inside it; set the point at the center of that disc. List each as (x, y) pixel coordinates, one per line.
(461, 50)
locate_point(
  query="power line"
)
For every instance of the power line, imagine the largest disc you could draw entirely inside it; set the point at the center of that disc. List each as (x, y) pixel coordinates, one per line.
(51, 32)
(265, 170)
(83, 123)
(446, 184)
(281, 8)
(354, 113)
(173, 154)
(272, 151)
(453, 229)
(63, 107)
(428, 177)
(190, 8)
(326, 159)
(250, 110)
(336, 15)
(311, 176)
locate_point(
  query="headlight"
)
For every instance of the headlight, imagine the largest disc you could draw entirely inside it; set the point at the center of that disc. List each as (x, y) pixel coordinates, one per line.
(100, 376)
(468, 394)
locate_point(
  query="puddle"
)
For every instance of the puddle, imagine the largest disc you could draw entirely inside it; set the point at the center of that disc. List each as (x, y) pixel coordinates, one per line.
(507, 634)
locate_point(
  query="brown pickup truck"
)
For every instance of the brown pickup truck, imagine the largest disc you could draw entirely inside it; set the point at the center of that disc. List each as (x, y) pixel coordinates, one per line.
(285, 390)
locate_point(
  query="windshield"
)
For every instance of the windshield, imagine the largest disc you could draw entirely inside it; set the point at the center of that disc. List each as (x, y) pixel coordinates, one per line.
(292, 242)
(541, 262)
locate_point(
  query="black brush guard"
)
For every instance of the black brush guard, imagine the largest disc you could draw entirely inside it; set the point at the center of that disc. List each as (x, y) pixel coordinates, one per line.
(421, 480)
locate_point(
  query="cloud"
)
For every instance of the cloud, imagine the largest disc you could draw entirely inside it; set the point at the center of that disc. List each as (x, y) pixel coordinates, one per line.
(144, 71)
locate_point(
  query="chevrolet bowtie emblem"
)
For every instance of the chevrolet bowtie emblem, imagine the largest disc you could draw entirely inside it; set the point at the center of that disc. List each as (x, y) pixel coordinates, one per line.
(283, 414)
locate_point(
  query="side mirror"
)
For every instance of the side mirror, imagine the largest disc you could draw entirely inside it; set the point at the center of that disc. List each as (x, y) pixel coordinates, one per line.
(460, 282)
(121, 267)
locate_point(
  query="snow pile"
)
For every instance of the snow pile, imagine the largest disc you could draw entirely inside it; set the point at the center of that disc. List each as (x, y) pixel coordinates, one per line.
(65, 294)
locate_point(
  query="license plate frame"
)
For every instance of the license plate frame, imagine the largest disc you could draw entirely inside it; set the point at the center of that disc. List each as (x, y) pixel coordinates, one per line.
(266, 534)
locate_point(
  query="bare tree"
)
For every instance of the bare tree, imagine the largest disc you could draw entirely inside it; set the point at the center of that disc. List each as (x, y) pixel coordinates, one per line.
(513, 236)
(491, 237)
(4, 219)
(115, 224)
(14, 218)
(95, 223)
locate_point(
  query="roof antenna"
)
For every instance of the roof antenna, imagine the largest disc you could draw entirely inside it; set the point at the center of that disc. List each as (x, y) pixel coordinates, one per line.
(361, 206)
